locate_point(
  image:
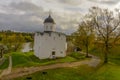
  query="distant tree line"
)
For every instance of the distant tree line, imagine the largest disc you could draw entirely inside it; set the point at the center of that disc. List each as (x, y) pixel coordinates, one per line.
(14, 40)
(27, 36)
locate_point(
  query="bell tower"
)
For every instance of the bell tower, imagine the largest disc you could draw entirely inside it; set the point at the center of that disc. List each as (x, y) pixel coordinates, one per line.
(49, 24)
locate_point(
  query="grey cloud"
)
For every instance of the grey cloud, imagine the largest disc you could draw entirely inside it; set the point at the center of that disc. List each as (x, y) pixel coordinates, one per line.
(67, 22)
(26, 6)
(72, 2)
(69, 2)
(110, 2)
(19, 23)
(24, 22)
(106, 1)
(74, 9)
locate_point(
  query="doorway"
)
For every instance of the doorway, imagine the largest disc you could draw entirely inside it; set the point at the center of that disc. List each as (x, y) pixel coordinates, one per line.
(53, 55)
(53, 52)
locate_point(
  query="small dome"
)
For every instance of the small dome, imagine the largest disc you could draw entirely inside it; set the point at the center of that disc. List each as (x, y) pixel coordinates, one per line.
(49, 20)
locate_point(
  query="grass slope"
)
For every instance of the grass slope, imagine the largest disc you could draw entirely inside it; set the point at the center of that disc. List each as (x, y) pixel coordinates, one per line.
(6, 62)
(28, 59)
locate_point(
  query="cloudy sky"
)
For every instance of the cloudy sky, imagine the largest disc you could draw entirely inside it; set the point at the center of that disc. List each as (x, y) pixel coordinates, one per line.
(29, 15)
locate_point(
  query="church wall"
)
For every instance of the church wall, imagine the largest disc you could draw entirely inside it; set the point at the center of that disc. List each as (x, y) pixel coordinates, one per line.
(46, 43)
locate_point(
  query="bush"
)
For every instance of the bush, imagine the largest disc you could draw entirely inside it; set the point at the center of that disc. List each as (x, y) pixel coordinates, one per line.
(5, 64)
(77, 55)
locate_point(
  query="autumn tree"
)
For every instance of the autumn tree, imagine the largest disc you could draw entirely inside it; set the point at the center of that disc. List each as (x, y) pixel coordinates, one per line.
(17, 41)
(70, 45)
(107, 26)
(14, 41)
(84, 36)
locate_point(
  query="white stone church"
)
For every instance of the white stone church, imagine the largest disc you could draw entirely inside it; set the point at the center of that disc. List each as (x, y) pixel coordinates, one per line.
(49, 44)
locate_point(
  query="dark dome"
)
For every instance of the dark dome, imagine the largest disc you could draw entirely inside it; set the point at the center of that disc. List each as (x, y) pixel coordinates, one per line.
(49, 20)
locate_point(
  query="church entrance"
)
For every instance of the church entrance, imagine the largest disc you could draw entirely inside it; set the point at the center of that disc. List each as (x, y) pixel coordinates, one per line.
(53, 52)
(53, 55)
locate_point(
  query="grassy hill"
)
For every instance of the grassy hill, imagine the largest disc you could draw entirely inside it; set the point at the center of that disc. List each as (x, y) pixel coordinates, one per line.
(5, 64)
(28, 59)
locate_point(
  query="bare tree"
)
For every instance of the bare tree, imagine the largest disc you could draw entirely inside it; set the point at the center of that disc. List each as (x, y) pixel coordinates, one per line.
(107, 26)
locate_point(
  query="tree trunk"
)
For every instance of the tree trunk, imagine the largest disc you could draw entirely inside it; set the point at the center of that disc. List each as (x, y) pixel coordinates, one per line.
(106, 53)
(87, 47)
(16, 47)
(1, 53)
(87, 51)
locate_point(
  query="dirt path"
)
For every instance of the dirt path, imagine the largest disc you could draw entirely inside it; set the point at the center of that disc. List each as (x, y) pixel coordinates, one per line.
(8, 70)
(93, 62)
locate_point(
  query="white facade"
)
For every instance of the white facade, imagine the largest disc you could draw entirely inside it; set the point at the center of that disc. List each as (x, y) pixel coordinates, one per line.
(49, 44)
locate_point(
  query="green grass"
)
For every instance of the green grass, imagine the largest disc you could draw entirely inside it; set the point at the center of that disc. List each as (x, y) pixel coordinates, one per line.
(109, 71)
(97, 52)
(21, 59)
(57, 74)
(105, 72)
(113, 56)
(28, 59)
(6, 62)
(77, 55)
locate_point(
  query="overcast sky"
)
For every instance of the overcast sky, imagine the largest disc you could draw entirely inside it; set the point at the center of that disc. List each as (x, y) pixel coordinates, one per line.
(29, 15)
